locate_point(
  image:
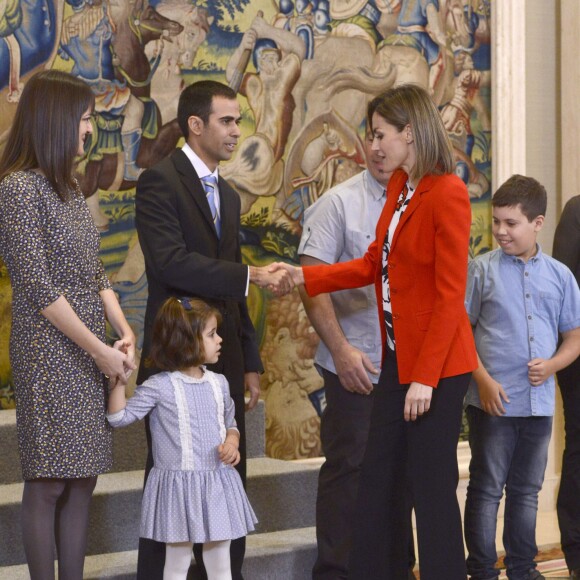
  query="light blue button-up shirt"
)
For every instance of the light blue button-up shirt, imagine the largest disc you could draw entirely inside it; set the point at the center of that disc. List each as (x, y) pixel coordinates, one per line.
(517, 309)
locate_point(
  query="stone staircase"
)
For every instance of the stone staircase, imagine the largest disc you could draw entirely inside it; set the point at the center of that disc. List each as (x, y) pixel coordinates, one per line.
(282, 493)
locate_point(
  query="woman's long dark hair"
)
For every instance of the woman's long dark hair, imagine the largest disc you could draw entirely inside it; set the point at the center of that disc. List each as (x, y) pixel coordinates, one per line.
(45, 130)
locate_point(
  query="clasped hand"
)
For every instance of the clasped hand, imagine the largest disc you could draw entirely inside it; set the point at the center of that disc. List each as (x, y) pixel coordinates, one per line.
(119, 362)
(539, 371)
(278, 277)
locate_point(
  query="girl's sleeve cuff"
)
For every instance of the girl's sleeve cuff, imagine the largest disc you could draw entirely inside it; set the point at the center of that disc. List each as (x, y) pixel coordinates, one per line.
(114, 418)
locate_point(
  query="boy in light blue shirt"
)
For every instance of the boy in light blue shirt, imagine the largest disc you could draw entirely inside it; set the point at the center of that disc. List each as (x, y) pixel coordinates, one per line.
(517, 299)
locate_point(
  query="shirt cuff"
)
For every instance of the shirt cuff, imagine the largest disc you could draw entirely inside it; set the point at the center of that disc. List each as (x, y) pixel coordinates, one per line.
(115, 417)
(248, 282)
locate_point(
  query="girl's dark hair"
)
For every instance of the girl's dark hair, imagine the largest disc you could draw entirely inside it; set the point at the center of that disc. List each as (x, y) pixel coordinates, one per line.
(45, 129)
(177, 341)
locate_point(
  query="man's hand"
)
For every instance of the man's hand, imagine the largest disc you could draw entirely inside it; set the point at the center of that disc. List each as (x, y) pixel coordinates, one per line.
(417, 401)
(296, 274)
(491, 394)
(252, 385)
(539, 371)
(351, 367)
(280, 282)
(259, 25)
(276, 279)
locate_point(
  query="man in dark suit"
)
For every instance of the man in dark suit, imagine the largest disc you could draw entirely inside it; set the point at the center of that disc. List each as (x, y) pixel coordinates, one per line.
(190, 239)
(567, 250)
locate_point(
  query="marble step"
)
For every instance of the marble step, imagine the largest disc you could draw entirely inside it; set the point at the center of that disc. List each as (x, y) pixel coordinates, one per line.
(282, 555)
(282, 493)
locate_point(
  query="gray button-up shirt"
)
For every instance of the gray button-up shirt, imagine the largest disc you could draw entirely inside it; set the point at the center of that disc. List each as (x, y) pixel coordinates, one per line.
(337, 228)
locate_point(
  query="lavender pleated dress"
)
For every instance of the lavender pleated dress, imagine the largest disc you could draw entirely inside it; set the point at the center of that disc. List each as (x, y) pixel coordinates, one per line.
(190, 495)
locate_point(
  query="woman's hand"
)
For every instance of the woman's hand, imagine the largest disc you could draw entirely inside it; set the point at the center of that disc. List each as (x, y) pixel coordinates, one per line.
(127, 346)
(115, 316)
(417, 401)
(113, 363)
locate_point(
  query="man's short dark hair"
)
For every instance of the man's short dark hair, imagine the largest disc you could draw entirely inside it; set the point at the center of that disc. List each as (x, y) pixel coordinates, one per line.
(524, 191)
(196, 101)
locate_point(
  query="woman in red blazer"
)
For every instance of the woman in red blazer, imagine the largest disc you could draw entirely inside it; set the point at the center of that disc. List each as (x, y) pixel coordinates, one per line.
(418, 264)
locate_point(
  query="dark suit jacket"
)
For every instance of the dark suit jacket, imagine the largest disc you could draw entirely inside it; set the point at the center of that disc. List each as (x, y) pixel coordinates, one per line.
(567, 237)
(567, 250)
(427, 278)
(185, 257)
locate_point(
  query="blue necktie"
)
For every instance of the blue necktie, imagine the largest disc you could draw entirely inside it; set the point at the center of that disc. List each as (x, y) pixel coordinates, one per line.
(209, 183)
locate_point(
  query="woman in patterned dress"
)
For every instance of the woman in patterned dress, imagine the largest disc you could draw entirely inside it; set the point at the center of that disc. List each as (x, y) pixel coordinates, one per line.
(60, 299)
(193, 493)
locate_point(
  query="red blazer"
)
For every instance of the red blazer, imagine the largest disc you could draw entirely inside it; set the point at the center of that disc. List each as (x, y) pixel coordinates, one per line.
(427, 278)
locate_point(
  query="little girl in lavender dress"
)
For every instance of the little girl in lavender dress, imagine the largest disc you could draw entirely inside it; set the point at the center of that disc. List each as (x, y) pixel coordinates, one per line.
(193, 493)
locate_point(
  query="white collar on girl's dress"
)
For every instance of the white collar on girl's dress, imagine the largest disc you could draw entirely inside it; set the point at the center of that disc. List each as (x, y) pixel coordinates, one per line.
(189, 379)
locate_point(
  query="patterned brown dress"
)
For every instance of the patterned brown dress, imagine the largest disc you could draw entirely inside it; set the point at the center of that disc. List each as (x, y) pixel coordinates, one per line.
(50, 248)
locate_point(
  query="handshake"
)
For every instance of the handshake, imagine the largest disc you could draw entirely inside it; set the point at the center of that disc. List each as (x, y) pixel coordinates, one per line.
(280, 278)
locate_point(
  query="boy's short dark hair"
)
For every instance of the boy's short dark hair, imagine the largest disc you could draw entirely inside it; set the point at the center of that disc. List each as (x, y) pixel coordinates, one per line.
(177, 341)
(524, 191)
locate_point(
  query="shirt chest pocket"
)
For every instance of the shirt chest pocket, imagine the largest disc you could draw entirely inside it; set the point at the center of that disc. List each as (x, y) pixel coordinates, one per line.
(549, 306)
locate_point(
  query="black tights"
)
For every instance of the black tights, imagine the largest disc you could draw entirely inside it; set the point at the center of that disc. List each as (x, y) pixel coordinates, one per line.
(56, 509)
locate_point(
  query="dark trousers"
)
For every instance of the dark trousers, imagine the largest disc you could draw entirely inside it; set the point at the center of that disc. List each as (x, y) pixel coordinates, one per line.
(151, 557)
(568, 505)
(420, 456)
(343, 433)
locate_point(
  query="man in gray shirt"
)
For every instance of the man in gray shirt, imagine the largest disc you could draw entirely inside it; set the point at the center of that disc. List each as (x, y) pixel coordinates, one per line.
(337, 228)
